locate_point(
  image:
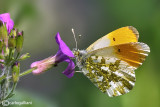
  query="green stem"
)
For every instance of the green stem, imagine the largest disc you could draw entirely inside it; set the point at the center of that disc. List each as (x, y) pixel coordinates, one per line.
(17, 55)
(27, 72)
(9, 57)
(5, 83)
(10, 54)
(7, 80)
(11, 92)
(24, 73)
(12, 62)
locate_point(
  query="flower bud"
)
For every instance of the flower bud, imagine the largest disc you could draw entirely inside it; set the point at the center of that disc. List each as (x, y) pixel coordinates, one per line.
(19, 41)
(15, 71)
(1, 46)
(11, 42)
(3, 32)
(5, 51)
(14, 32)
(24, 56)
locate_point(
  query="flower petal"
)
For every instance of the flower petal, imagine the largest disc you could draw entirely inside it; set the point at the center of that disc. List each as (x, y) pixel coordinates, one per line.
(38, 70)
(63, 54)
(69, 72)
(62, 46)
(43, 65)
(5, 18)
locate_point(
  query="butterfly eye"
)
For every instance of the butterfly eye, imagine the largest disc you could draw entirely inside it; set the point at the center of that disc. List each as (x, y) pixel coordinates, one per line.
(76, 53)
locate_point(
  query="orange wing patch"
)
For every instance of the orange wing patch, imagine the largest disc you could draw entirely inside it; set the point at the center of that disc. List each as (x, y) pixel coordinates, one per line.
(123, 35)
(132, 53)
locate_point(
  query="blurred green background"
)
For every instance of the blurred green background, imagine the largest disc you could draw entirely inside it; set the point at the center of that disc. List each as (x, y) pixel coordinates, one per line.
(42, 19)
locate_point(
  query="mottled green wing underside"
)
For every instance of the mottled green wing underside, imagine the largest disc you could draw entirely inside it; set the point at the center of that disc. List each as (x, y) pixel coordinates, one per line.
(111, 75)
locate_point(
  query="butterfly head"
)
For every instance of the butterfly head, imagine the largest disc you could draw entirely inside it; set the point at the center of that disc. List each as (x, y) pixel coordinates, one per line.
(75, 52)
(80, 56)
(79, 53)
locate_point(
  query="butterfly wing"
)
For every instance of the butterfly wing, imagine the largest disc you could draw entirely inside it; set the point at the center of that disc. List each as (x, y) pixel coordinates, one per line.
(120, 36)
(111, 69)
(134, 53)
(111, 75)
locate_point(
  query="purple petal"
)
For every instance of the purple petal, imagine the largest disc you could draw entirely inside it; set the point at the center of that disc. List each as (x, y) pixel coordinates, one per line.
(69, 72)
(63, 47)
(5, 18)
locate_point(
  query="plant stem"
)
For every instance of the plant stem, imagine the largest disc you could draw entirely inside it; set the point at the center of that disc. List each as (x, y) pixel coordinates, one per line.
(27, 72)
(11, 92)
(5, 83)
(17, 55)
(10, 54)
(16, 59)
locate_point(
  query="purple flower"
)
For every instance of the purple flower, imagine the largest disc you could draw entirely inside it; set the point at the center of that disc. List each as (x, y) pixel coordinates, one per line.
(63, 54)
(5, 18)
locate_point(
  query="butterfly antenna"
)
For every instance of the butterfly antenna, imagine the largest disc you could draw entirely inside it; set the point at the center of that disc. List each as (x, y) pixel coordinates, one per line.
(74, 37)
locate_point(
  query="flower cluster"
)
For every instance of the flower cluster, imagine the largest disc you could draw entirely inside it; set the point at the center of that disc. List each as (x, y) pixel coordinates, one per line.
(10, 38)
(11, 42)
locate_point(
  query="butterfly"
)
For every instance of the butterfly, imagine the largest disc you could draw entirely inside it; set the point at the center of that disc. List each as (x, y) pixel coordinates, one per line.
(111, 61)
